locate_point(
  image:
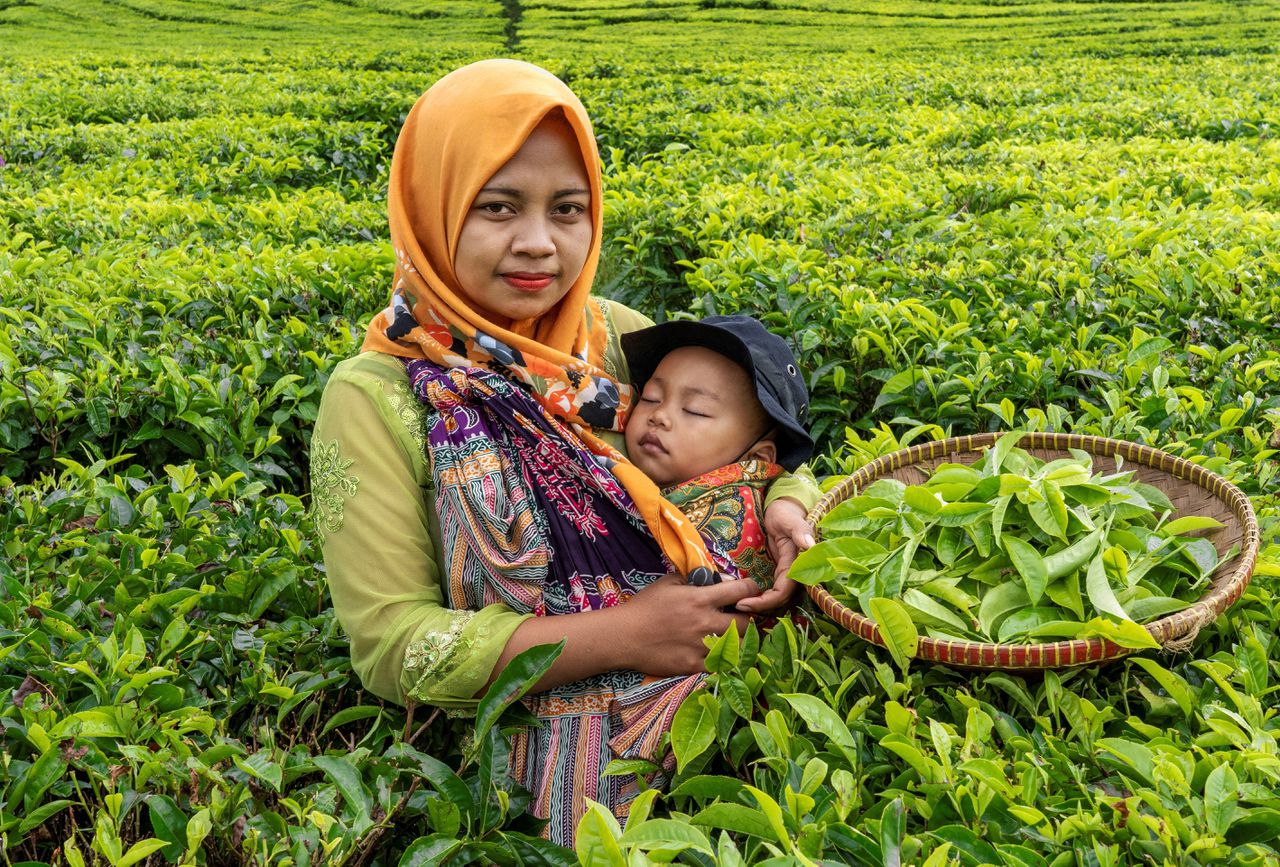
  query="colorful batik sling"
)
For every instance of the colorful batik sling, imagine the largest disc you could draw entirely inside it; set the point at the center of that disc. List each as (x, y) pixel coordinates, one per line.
(531, 518)
(726, 505)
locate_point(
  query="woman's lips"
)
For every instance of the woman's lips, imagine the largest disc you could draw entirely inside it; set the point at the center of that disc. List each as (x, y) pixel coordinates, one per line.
(524, 281)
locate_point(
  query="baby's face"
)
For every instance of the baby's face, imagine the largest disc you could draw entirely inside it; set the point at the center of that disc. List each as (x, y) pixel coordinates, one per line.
(698, 411)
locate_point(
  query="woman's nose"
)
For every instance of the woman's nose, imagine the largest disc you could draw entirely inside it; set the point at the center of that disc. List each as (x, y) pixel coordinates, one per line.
(533, 238)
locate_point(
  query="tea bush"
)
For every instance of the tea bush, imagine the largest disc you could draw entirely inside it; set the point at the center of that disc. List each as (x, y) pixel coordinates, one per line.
(967, 217)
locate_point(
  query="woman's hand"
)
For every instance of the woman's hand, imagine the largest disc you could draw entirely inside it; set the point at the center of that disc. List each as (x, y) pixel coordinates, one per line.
(665, 623)
(658, 631)
(788, 533)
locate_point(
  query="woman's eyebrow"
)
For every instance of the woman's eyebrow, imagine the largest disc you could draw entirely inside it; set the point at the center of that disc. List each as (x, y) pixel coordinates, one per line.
(513, 193)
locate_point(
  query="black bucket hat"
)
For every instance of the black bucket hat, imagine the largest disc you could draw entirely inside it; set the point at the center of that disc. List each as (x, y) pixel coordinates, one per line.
(745, 340)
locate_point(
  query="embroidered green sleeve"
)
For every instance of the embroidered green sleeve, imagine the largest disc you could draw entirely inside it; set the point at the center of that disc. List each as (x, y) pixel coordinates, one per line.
(331, 485)
(409, 410)
(437, 652)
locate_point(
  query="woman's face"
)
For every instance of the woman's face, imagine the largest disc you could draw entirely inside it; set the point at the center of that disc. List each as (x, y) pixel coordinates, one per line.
(528, 232)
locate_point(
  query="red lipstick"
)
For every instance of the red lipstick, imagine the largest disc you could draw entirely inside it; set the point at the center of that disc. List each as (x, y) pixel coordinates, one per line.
(527, 281)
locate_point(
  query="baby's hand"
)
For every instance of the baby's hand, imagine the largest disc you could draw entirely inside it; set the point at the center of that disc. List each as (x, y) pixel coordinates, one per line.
(788, 533)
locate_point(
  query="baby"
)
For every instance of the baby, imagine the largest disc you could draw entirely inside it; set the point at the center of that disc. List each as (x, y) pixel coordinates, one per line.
(719, 415)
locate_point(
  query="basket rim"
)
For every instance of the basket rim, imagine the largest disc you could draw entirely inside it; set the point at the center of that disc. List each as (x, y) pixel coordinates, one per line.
(1173, 631)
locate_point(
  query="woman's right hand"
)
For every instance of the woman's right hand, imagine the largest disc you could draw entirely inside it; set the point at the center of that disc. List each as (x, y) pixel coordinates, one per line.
(663, 626)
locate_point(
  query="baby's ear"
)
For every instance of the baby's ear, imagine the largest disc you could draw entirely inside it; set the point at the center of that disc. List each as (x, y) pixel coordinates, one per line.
(763, 450)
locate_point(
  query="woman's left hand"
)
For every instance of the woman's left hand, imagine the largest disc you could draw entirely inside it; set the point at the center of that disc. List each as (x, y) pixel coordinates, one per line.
(788, 534)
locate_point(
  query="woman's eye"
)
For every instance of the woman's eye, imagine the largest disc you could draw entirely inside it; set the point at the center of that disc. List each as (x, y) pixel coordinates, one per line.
(568, 209)
(495, 208)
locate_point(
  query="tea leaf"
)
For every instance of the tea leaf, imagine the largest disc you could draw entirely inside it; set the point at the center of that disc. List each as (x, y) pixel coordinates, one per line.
(1029, 565)
(1190, 524)
(1220, 797)
(516, 679)
(1175, 686)
(1100, 594)
(694, 728)
(812, 565)
(597, 839)
(897, 630)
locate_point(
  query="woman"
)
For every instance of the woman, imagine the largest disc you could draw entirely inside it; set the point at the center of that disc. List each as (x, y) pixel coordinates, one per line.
(464, 468)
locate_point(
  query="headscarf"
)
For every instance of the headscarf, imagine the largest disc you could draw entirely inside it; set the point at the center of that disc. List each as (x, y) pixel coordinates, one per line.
(456, 137)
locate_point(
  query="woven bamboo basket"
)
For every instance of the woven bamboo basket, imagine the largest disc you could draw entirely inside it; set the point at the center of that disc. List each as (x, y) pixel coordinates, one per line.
(1192, 489)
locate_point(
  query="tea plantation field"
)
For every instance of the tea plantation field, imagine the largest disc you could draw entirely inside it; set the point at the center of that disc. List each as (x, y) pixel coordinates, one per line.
(970, 216)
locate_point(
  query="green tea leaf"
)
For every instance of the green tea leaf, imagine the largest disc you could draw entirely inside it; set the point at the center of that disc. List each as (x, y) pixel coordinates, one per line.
(997, 517)
(897, 630)
(998, 453)
(928, 612)
(954, 474)
(345, 776)
(516, 679)
(694, 728)
(1202, 554)
(1126, 633)
(1030, 566)
(892, 826)
(1099, 591)
(921, 499)
(961, 514)
(1175, 686)
(1190, 524)
(596, 841)
(667, 834)
(737, 818)
(819, 716)
(1221, 792)
(999, 602)
(1150, 608)
(430, 850)
(812, 566)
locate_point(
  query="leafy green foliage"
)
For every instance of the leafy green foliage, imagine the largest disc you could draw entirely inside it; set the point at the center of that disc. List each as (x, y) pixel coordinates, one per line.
(967, 219)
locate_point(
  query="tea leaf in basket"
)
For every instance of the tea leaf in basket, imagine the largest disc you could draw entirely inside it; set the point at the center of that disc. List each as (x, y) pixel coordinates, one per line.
(999, 453)
(891, 577)
(1030, 566)
(1202, 554)
(1100, 594)
(1190, 524)
(896, 628)
(922, 500)
(1152, 607)
(1023, 622)
(1066, 592)
(929, 612)
(997, 517)
(949, 591)
(852, 515)
(1156, 498)
(1050, 511)
(998, 602)
(961, 514)
(815, 565)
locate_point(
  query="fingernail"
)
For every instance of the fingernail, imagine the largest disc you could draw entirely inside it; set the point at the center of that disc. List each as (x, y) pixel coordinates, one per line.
(809, 540)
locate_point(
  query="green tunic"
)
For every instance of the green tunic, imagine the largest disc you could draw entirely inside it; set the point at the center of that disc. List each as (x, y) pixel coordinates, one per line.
(374, 508)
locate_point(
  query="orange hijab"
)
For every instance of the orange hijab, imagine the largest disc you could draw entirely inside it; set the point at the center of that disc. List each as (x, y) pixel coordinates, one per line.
(457, 136)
